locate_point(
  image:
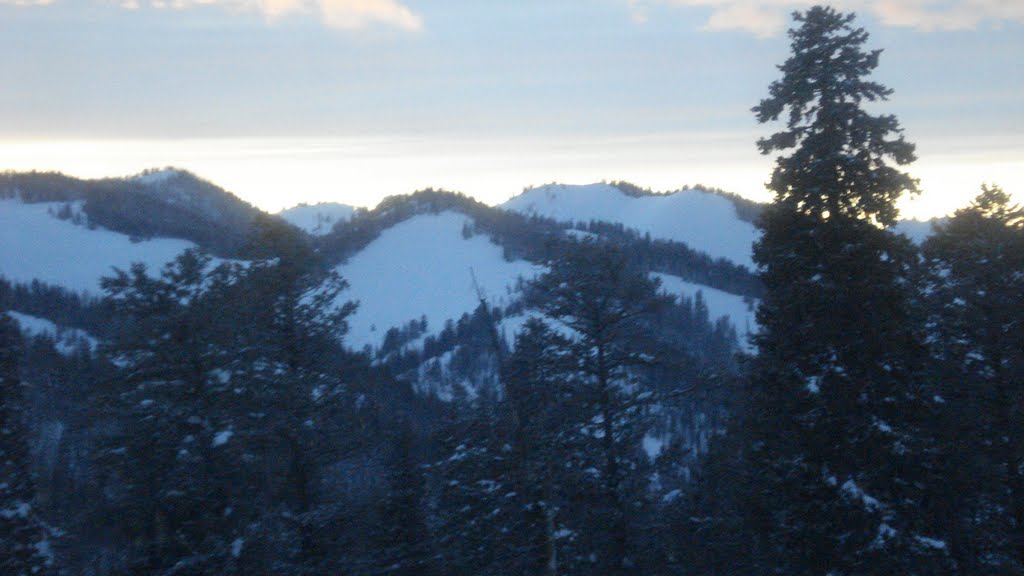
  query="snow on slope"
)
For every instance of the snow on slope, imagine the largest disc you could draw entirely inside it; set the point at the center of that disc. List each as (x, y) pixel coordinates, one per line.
(317, 219)
(422, 267)
(66, 338)
(37, 245)
(719, 303)
(157, 176)
(703, 221)
(916, 230)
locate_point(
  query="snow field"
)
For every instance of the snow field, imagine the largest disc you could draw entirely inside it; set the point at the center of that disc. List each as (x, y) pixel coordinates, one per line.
(703, 221)
(37, 245)
(424, 266)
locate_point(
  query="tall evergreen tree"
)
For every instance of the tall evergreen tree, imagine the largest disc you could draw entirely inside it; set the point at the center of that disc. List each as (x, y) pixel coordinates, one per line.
(839, 455)
(22, 536)
(167, 460)
(602, 301)
(229, 405)
(975, 265)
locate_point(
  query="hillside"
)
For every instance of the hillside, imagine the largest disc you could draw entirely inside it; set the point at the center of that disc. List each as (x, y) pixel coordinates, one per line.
(424, 267)
(317, 219)
(704, 221)
(39, 245)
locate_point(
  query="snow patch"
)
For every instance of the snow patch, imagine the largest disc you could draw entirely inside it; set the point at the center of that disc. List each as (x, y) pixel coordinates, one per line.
(854, 491)
(19, 510)
(931, 542)
(66, 340)
(236, 547)
(885, 533)
(653, 446)
(221, 438)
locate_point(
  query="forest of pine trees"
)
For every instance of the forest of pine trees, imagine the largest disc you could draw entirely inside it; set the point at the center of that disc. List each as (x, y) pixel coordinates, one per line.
(875, 426)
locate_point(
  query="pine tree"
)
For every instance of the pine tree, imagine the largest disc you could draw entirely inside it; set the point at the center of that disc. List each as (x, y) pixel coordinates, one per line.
(23, 537)
(839, 444)
(229, 404)
(403, 543)
(541, 397)
(594, 294)
(167, 461)
(975, 265)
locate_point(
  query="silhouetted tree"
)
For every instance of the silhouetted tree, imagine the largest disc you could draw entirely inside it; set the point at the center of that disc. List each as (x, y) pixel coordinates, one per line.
(840, 451)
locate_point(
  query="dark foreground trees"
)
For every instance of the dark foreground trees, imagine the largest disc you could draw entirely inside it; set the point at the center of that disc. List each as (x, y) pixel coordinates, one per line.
(837, 463)
(228, 406)
(974, 292)
(24, 540)
(556, 467)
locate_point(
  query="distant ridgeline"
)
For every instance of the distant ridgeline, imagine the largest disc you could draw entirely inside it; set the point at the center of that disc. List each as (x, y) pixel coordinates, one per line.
(539, 239)
(165, 203)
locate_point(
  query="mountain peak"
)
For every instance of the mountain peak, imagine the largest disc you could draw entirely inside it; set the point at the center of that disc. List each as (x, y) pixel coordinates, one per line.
(705, 221)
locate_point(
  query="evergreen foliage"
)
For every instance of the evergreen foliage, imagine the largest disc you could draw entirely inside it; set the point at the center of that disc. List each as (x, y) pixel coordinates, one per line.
(841, 462)
(23, 538)
(975, 279)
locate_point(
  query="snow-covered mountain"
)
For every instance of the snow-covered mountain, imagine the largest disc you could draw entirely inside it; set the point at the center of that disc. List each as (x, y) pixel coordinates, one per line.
(317, 219)
(39, 245)
(704, 221)
(425, 267)
(408, 260)
(427, 256)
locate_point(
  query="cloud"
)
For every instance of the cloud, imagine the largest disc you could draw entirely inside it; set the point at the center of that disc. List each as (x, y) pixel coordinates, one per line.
(337, 14)
(765, 18)
(352, 14)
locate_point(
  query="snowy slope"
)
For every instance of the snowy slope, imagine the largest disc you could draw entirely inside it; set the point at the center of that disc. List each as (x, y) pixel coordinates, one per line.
(916, 230)
(37, 245)
(317, 219)
(422, 267)
(703, 221)
(719, 303)
(157, 176)
(66, 338)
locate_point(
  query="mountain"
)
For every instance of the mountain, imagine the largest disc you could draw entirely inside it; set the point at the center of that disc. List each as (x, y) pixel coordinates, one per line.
(424, 256)
(425, 267)
(704, 221)
(167, 203)
(55, 243)
(443, 286)
(317, 219)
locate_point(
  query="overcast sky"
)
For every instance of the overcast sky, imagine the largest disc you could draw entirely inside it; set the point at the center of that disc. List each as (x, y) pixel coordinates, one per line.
(287, 101)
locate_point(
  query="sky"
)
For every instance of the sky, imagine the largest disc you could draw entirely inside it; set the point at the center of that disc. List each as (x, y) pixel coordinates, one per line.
(290, 101)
